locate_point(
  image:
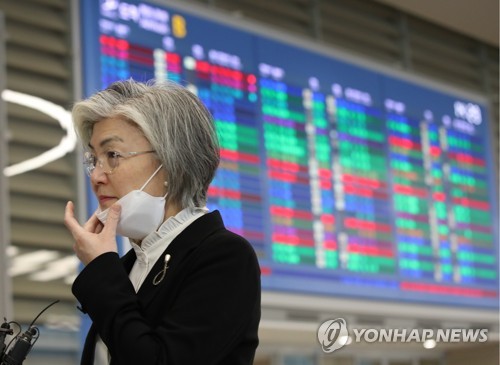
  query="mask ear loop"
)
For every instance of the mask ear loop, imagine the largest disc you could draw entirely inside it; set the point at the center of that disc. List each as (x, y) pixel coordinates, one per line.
(151, 177)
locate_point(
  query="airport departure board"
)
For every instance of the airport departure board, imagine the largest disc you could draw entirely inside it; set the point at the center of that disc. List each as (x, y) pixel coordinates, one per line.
(348, 181)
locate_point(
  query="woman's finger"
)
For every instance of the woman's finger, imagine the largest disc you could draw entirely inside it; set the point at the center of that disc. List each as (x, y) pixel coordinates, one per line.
(99, 227)
(112, 220)
(69, 219)
(92, 223)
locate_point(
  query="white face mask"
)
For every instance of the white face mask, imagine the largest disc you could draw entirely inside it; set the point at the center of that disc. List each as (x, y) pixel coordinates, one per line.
(141, 213)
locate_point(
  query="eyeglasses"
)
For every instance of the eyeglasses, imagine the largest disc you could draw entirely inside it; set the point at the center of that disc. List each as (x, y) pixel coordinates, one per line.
(108, 161)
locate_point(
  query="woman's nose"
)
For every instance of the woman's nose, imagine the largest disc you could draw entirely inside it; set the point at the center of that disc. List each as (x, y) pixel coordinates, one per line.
(98, 175)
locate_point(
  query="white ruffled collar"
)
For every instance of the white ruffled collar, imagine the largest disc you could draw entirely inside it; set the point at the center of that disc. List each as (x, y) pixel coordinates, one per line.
(171, 227)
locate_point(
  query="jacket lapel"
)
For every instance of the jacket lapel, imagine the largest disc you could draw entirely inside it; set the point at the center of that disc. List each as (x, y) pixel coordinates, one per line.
(128, 260)
(88, 352)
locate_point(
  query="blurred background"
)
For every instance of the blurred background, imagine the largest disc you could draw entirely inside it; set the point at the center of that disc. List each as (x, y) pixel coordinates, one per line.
(352, 244)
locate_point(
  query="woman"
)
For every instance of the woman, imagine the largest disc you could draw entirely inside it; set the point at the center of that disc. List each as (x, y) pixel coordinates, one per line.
(188, 292)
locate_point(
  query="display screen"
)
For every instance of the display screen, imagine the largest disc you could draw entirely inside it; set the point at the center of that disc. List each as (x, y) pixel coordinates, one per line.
(348, 181)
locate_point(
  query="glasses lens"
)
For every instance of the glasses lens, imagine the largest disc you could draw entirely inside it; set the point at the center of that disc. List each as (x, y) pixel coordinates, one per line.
(112, 159)
(89, 162)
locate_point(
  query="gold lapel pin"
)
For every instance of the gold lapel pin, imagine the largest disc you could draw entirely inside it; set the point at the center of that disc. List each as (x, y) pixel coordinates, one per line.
(161, 275)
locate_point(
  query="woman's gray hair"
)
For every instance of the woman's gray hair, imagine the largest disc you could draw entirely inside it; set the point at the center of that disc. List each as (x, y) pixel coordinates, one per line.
(176, 123)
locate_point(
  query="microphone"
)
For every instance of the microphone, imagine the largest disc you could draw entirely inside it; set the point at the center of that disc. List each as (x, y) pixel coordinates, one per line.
(4, 331)
(21, 348)
(24, 342)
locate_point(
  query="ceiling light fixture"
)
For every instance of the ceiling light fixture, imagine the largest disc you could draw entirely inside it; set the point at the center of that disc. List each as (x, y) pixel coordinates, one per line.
(67, 143)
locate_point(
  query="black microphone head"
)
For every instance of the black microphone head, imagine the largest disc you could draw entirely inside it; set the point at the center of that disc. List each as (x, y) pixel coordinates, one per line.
(21, 348)
(5, 329)
(30, 332)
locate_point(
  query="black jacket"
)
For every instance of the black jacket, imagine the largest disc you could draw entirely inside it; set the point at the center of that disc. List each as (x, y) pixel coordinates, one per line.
(205, 311)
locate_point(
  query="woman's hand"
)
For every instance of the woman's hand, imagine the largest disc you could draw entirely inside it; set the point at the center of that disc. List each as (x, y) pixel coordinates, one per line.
(94, 238)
